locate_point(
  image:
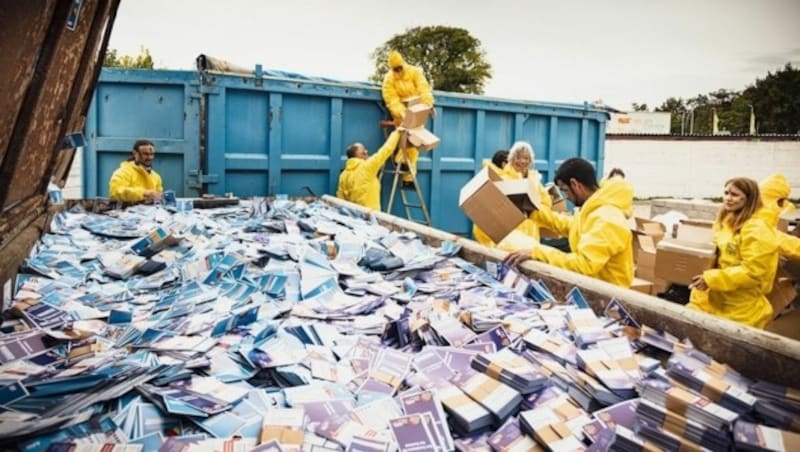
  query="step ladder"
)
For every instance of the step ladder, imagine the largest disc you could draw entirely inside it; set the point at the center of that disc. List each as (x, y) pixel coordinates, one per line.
(396, 169)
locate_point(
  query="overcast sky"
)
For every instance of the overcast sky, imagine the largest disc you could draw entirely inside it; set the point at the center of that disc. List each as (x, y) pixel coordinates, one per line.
(620, 51)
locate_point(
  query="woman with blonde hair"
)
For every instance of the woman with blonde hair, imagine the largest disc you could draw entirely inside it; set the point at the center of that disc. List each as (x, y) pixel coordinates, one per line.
(747, 259)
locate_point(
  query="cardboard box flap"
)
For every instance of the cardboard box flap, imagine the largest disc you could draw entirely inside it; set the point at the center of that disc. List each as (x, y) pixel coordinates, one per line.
(650, 227)
(644, 242)
(522, 192)
(487, 207)
(422, 139)
(416, 116)
(697, 249)
(484, 176)
(698, 231)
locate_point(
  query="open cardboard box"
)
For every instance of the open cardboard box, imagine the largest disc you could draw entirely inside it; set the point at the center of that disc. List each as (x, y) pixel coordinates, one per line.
(643, 286)
(697, 231)
(678, 261)
(523, 193)
(644, 256)
(417, 115)
(487, 200)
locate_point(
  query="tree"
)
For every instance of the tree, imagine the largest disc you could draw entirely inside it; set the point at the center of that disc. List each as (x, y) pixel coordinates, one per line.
(677, 108)
(776, 101)
(638, 107)
(141, 61)
(451, 58)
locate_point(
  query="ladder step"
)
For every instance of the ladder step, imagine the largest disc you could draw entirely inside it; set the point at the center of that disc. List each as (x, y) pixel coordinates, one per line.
(415, 206)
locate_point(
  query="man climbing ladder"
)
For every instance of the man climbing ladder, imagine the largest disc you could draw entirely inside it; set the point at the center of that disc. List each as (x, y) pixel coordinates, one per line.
(404, 81)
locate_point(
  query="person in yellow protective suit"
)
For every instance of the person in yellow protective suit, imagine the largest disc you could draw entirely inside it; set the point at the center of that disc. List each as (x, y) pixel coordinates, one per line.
(599, 235)
(400, 83)
(775, 192)
(747, 259)
(520, 159)
(135, 180)
(359, 182)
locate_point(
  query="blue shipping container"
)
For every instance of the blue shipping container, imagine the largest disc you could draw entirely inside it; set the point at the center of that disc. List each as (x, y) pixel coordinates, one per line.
(280, 133)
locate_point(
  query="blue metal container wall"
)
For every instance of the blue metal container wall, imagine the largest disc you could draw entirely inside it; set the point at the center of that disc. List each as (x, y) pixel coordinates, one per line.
(284, 135)
(162, 106)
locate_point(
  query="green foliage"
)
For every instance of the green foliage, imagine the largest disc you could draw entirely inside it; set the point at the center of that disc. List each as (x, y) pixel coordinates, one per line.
(638, 107)
(450, 57)
(775, 101)
(141, 61)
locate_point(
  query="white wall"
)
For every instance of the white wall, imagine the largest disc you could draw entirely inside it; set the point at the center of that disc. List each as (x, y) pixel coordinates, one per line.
(73, 189)
(689, 169)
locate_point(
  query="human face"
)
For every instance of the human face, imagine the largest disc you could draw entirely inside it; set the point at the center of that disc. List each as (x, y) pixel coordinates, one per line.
(397, 69)
(361, 152)
(572, 191)
(144, 155)
(522, 162)
(733, 199)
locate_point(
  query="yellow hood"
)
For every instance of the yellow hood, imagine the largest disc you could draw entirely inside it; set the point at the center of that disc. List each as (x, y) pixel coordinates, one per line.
(395, 59)
(772, 189)
(616, 192)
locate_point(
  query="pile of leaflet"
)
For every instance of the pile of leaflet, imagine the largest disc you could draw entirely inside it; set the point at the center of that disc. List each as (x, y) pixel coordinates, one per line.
(287, 326)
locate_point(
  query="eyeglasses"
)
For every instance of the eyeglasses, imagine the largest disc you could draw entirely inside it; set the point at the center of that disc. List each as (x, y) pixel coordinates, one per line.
(397, 68)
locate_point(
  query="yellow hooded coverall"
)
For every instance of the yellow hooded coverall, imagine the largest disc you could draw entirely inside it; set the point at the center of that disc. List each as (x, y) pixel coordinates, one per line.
(774, 188)
(746, 266)
(599, 235)
(527, 227)
(399, 86)
(359, 182)
(130, 181)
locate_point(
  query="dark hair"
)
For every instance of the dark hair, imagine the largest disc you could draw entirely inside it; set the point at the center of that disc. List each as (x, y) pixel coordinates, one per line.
(578, 169)
(140, 143)
(615, 172)
(753, 202)
(500, 158)
(351, 150)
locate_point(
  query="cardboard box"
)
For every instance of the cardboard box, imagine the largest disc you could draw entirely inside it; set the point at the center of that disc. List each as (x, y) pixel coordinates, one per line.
(644, 255)
(783, 293)
(422, 139)
(697, 231)
(643, 286)
(678, 262)
(487, 206)
(652, 228)
(523, 193)
(416, 116)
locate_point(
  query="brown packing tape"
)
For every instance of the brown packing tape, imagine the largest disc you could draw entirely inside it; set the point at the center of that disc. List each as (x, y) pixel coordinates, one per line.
(568, 411)
(791, 441)
(494, 370)
(717, 369)
(793, 394)
(283, 435)
(714, 389)
(675, 423)
(384, 377)
(650, 447)
(685, 445)
(458, 401)
(678, 400)
(483, 391)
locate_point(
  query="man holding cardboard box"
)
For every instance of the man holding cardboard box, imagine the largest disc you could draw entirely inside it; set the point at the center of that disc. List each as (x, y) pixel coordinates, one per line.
(404, 81)
(359, 182)
(599, 234)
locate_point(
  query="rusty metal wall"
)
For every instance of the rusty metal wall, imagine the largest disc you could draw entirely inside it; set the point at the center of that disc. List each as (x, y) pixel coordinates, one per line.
(50, 56)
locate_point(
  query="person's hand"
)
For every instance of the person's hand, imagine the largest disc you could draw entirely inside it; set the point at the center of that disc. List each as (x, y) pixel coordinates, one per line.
(698, 283)
(517, 257)
(152, 195)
